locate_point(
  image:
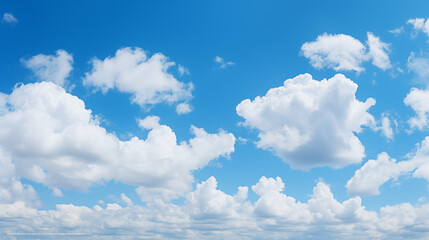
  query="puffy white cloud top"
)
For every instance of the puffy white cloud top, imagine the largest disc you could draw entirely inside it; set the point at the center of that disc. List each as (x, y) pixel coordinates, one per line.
(146, 78)
(51, 68)
(51, 138)
(374, 173)
(418, 100)
(344, 53)
(209, 213)
(310, 123)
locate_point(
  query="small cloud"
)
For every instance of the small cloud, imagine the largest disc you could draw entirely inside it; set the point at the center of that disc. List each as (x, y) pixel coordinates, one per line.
(57, 192)
(51, 68)
(242, 140)
(9, 18)
(126, 200)
(397, 31)
(150, 122)
(222, 63)
(419, 24)
(182, 70)
(183, 108)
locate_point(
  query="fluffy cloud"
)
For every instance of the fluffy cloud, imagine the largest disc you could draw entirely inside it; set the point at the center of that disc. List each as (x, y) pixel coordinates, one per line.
(53, 139)
(418, 100)
(420, 24)
(374, 173)
(386, 127)
(207, 202)
(273, 203)
(146, 78)
(51, 68)
(310, 123)
(420, 66)
(344, 53)
(11, 189)
(183, 108)
(378, 51)
(9, 18)
(209, 213)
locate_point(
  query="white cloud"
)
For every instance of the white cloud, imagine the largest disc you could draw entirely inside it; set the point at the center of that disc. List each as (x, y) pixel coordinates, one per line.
(397, 31)
(183, 108)
(222, 63)
(310, 123)
(420, 66)
(418, 100)
(374, 173)
(384, 125)
(339, 52)
(11, 189)
(209, 213)
(150, 122)
(344, 53)
(57, 192)
(273, 203)
(420, 24)
(9, 18)
(51, 68)
(126, 199)
(207, 202)
(182, 70)
(53, 139)
(378, 51)
(132, 71)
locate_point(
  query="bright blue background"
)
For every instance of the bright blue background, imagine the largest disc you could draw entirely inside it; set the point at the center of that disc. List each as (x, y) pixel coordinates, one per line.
(263, 38)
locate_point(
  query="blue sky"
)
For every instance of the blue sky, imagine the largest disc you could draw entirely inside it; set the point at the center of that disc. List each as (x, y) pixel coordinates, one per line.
(191, 110)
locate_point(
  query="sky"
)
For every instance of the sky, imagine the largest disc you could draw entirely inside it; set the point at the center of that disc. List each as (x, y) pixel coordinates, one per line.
(214, 119)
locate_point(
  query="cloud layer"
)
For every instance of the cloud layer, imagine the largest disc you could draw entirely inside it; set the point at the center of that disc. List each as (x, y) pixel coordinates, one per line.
(210, 213)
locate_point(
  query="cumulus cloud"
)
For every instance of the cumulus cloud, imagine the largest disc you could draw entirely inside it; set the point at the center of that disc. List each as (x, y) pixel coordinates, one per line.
(418, 100)
(207, 202)
(384, 126)
(378, 52)
(54, 140)
(222, 63)
(9, 18)
(132, 71)
(374, 173)
(11, 188)
(209, 213)
(274, 203)
(344, 53)
(51, 68)
(420, 24)
(183, 108)
(310, 123)
(419, 66)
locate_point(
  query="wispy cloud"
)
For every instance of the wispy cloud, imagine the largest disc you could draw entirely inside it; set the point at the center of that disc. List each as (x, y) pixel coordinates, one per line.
(9, 18)
(222, 63)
